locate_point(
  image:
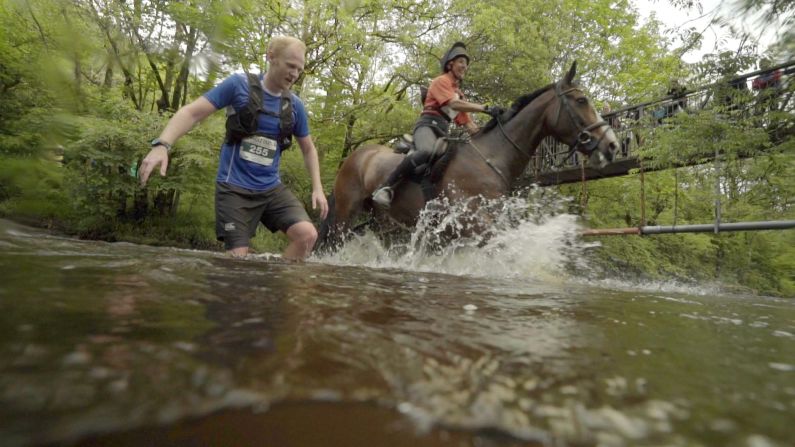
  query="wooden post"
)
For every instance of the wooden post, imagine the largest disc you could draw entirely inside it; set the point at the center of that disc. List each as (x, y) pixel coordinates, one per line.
(717, 189)
(642, 194)
(584, 190)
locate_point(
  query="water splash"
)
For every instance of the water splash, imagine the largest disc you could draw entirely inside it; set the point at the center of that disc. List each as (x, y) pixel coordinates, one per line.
(665, 286)
(530, 236)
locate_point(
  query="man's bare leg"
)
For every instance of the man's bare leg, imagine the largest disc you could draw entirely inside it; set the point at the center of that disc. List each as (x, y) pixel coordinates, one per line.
(302, 237)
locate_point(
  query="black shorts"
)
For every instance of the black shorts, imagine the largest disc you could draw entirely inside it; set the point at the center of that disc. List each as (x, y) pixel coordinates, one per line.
(239, 210)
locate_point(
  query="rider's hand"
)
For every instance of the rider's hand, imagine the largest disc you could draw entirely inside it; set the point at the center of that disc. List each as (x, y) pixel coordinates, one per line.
(157, 156)
(493, 111)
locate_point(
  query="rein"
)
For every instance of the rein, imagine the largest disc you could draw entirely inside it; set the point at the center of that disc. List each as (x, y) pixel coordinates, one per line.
(510, 140)
(491, 165)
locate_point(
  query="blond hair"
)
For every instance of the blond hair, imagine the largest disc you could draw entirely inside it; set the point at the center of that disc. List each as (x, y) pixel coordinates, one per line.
(278, 44)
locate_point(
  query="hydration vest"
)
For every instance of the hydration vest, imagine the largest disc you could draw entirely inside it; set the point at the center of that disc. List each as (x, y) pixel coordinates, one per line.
(243, 123)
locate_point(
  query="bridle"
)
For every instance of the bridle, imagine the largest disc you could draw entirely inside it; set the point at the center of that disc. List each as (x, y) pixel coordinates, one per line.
(584, 140)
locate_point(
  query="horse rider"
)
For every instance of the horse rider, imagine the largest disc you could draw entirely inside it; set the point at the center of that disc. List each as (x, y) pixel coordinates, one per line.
(444, 103)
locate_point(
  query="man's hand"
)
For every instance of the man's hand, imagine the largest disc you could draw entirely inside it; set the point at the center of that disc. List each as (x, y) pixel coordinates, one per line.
(157, 156)
(319, 200)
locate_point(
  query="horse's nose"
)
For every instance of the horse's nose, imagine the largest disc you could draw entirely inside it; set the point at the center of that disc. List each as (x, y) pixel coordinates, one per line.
(613, 148)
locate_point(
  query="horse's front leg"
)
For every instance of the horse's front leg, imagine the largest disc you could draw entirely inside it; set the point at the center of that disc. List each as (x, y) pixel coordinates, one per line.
(345, 205)
(476, 220)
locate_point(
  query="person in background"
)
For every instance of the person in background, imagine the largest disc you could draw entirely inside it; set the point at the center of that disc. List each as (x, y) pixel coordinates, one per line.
(676, 101)
(770, 79)
(677, 93)
(768, 86)
(248, 187)
(734, 94)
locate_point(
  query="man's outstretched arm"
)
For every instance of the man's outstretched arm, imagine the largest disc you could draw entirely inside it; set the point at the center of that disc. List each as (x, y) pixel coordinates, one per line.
(182, 122)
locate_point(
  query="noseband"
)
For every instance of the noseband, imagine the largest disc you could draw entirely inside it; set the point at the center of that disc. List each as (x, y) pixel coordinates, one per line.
(584, 140)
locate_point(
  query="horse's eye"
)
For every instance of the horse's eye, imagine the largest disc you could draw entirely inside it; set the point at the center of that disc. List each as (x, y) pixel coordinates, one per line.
(582, 101)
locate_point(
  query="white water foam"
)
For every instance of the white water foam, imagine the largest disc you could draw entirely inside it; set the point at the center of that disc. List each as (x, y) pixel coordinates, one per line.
(663, 286)
(529, 237)
(518, 238)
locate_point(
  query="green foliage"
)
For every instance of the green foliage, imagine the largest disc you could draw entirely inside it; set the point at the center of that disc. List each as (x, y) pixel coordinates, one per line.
(685, 257)
(520, 46)
(99, 162)
(760, 260)
(697, 136)
(774, 12)
(191, 228)
(31, 190)
(102, 168)
(752, 181)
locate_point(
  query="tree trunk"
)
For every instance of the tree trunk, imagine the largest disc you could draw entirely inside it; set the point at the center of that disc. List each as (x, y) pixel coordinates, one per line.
(182, 78)
(140, 204)
(347, 145)
(108, 82)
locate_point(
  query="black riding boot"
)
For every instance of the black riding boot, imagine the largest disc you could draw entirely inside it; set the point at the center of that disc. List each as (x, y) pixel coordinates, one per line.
(383, 195)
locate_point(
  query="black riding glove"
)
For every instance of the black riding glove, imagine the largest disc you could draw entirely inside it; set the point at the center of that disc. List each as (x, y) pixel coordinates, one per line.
(493, 111)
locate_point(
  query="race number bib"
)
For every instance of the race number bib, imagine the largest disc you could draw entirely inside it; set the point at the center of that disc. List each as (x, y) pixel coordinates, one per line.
(258, 149)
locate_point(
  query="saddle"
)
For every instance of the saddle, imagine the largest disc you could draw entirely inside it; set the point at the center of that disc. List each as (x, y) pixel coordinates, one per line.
(427, 174)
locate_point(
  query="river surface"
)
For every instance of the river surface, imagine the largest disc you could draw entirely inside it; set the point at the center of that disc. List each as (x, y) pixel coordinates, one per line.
(124, 345)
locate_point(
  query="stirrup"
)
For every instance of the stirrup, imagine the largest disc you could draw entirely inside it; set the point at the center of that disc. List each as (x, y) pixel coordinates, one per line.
(383, 196)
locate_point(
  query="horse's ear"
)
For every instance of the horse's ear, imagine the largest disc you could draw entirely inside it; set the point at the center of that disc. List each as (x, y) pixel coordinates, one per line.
(570, 75)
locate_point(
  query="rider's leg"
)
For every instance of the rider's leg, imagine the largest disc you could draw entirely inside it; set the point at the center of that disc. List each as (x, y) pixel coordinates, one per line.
(424, 140)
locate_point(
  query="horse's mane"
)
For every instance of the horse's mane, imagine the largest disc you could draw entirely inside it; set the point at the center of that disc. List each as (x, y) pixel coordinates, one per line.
(519, 104)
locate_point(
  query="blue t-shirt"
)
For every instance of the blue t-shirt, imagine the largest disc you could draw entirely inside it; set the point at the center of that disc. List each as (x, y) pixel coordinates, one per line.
(234, 169)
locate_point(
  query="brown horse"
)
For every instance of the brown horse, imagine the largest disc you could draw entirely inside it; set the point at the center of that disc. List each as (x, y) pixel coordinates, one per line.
(486, 166)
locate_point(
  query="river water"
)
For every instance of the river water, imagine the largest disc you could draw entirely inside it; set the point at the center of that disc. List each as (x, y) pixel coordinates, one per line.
(511, 342)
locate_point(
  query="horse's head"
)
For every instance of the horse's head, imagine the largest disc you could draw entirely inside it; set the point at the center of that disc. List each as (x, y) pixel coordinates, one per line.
(576, 122)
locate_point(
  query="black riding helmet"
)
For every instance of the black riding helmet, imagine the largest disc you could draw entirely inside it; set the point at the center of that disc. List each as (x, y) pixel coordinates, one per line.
(459, 49)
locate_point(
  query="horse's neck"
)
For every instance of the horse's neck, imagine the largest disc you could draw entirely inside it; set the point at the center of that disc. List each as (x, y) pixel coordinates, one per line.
(526, 130)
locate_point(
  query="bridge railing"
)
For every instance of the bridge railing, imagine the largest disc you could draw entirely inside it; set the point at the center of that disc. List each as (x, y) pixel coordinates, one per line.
(755, 93)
